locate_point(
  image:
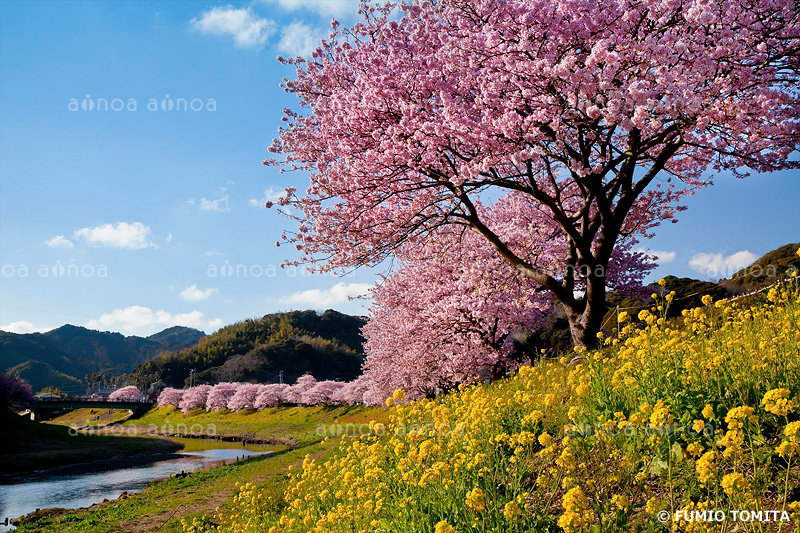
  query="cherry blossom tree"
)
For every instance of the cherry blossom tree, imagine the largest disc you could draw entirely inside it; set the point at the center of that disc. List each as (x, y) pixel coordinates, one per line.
(244, 397)
(270, 395)
(322, 393)
(131, 393)
(294, 394)
(195, 397)
(352, 392)
(605, 114)
(170, 396)
(451, 313)
(219, 395)
(14, 393)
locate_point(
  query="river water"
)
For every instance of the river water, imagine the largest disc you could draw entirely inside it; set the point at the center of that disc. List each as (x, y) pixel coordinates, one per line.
(83, 490)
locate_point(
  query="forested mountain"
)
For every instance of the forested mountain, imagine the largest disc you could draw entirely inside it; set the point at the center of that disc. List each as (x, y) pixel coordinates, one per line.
(62, 357)
(327, 345)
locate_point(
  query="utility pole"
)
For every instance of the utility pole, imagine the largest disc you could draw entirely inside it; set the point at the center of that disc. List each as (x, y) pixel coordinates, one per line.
(191, 377)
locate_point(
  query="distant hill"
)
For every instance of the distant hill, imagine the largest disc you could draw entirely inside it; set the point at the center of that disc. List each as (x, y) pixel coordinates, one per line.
(40, 375)
(177, 337)
(64, 356)
(769, 268)
(328, 345)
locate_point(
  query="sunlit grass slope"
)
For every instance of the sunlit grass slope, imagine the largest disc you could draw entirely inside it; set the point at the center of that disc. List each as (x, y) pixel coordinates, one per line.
(699, 413)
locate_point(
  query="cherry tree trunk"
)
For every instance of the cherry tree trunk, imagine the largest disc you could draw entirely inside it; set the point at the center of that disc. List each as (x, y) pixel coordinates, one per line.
(586, 320)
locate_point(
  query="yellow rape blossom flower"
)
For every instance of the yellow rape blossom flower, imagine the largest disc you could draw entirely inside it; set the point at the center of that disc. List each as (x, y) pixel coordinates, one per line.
(444, 527)
(476, 499)
(734, 482)
(776, 401)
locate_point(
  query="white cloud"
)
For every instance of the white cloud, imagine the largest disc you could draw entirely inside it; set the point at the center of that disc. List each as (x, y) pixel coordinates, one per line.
(59, 241)
(338, 294)
(132, 236)
(23, 326)
(299, 39)
(337, 8)
(220, 204)
(719, 266)
(270, 195)
(168, 240)
(193, 294)
(247, 29)
(662, 257)
(138, 320)
(212, 253)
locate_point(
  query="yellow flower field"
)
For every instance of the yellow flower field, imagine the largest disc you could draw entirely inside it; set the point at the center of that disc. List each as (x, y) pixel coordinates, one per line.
(673, 417)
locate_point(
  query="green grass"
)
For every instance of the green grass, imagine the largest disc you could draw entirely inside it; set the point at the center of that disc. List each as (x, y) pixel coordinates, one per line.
(289, 426)
(91, 417)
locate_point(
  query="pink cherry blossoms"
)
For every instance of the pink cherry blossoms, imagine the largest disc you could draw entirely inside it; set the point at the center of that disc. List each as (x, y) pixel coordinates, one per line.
(220, 394)
(451, 312)
(126, 394)
(253, 396)
(195, 398)
(170, 396)
(244, 397)
(270, 395)
(603, 114)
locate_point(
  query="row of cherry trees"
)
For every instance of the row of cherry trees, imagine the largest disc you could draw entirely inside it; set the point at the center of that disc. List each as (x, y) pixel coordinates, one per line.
(251, 396)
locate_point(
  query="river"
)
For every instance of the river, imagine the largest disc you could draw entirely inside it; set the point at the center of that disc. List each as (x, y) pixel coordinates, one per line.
(83, 490)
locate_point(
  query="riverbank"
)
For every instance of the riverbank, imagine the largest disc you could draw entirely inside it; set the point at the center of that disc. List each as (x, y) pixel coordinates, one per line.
(28, 447)
(286, 426)
(162, 505)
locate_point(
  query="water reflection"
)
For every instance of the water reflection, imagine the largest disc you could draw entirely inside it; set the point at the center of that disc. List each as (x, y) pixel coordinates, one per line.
(73, 492)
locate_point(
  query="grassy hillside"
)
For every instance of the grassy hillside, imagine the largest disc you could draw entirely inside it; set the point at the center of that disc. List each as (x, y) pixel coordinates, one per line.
(290, 426)
(328, 345)
(690, 414)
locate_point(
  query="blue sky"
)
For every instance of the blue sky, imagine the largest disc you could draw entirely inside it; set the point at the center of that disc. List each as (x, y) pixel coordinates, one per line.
(132, 220)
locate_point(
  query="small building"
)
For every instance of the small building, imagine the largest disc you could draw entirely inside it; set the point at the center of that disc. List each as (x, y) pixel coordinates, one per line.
(103, 393)
(47, 396)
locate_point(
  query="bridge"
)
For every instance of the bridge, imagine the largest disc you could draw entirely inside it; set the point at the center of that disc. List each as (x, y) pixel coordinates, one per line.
(68, 404)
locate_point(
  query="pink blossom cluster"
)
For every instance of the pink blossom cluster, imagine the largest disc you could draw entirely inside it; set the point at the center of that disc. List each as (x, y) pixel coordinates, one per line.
(131, 393)
(170, 396)
(252, 396)
(195, 398)
(220, 394)
(14, 392)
